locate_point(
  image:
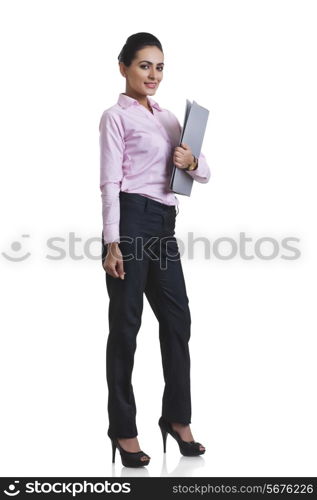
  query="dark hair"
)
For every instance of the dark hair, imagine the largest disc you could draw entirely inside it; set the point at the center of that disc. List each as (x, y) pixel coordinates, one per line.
(134, 43)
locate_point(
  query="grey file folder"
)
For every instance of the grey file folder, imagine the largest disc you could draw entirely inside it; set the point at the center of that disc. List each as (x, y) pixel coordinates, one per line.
(193, 131)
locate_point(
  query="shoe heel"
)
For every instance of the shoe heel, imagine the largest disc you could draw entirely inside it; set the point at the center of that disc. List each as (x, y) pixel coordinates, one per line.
(114, 447)
(164, 436)
(187, 448)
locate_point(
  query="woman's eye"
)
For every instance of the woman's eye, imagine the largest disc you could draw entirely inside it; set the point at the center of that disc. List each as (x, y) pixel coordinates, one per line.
(144, 66)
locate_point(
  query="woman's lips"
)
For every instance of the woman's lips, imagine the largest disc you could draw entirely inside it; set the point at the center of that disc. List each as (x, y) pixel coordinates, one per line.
(150, 85)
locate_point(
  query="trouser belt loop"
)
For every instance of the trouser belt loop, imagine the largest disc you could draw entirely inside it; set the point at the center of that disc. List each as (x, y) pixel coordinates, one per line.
(146, 203)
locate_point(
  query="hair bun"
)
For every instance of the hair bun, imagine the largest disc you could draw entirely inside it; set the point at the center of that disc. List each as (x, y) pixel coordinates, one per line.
(136, 42)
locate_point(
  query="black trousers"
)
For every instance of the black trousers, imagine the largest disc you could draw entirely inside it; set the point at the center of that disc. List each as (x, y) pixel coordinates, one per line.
(151, 260)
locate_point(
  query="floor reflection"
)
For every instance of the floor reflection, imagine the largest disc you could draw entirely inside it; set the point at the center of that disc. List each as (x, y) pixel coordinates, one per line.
(186, 467)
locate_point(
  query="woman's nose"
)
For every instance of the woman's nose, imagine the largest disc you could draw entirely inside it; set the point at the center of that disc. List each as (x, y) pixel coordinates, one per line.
(154, 75)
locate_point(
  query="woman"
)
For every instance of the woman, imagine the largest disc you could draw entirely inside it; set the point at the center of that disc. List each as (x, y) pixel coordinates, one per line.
(138, 147)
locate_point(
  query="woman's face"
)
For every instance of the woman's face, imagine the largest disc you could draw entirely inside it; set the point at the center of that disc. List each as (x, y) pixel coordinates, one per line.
(145, 73)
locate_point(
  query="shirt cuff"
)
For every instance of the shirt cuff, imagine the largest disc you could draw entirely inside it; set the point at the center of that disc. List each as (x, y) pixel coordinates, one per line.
(111, 233)
(202, 172)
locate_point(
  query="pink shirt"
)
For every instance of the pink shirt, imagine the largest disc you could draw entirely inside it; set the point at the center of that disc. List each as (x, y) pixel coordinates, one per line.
(136, 152)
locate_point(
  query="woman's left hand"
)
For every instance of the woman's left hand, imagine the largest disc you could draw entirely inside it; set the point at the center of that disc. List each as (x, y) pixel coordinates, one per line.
(182, 156)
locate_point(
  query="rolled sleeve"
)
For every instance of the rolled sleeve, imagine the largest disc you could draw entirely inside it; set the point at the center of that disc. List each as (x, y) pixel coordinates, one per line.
(111, 141)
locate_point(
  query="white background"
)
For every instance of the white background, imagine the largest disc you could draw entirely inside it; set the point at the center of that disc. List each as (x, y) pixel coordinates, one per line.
(253, 343)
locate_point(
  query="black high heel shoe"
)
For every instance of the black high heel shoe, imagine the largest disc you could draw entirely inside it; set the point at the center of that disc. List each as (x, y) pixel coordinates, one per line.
(129, 458)
(187, 448)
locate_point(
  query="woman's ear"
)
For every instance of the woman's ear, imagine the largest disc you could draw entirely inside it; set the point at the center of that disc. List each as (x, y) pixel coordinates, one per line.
(122, 69)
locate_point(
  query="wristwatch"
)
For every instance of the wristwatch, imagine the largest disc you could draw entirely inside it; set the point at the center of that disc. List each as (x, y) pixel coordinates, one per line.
(193, 165)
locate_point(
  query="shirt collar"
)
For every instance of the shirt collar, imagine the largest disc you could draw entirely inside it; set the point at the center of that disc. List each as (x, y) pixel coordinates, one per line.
(125, 101)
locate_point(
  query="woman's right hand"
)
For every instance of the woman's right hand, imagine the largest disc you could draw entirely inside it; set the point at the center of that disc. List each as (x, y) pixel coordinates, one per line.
(113, 263)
